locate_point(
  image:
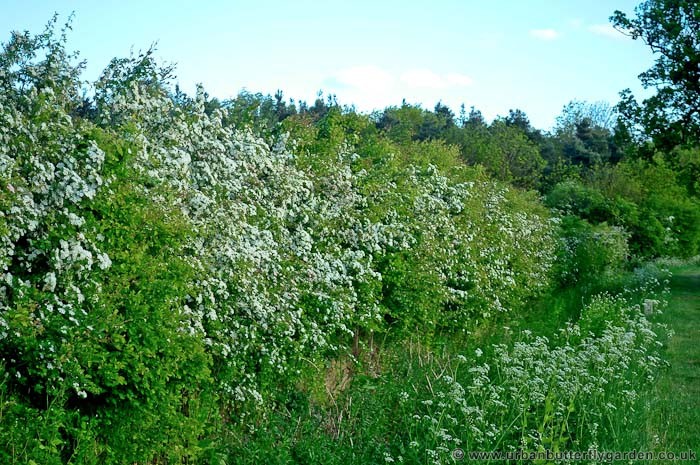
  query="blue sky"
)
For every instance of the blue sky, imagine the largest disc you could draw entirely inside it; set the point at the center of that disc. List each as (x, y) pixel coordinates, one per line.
(534, 55)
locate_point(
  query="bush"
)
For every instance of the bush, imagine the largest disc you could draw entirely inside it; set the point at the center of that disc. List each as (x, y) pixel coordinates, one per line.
(588, 252)
(93, 285)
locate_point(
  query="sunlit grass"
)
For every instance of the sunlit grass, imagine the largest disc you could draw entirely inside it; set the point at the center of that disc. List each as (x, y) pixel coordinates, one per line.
(674, 405)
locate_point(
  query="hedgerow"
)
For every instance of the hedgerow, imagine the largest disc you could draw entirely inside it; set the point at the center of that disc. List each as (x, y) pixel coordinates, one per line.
(163, 273)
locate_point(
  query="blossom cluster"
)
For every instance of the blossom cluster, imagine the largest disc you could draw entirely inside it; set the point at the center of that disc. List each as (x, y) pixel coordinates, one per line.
(558, 393)
(287, 257)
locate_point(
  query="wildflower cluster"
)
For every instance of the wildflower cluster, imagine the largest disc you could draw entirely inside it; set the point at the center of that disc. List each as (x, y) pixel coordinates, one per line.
(560, 393)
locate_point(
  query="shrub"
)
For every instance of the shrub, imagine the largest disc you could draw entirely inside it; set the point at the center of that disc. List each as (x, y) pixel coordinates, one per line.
(589, 251)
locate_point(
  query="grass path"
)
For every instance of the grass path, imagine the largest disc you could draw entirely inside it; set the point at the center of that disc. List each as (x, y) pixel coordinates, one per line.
(674, 422)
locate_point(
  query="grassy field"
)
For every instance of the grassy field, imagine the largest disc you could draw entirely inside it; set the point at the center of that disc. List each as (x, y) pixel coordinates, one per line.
(674, 405)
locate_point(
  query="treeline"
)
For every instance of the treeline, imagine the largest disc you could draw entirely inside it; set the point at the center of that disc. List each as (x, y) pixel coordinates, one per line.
(591, 165)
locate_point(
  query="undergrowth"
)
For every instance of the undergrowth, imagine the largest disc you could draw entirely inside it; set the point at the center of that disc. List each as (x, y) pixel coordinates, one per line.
(516, 385)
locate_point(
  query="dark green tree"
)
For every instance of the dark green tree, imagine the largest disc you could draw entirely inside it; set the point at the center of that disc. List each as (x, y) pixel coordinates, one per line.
(671, 28)
(446, 115)
(585, 133)
(517, 118)
(475, 118)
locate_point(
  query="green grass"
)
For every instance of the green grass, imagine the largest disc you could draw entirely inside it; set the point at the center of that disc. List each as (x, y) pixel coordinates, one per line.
(674, 404)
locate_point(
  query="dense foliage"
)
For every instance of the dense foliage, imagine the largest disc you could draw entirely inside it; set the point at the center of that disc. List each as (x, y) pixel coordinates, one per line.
(171, 265)
(158, 262)
(671, 28)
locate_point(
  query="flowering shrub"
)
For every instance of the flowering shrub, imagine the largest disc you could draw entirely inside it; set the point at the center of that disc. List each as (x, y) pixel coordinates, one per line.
(93, 282)
(161, 271)
(289, 258)
(588, 252)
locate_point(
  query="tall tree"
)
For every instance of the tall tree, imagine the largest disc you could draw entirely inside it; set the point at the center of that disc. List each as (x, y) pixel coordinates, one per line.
(517, 118)
(671, 28)
(599, 114)
(584, 132)
(444, 113)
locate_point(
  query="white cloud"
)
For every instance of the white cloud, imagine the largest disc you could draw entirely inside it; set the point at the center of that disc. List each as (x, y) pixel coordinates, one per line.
(606, 30)
(366, 86)
(423, 78)
(461, 80)
(370, 87)
(544, 34)
(365, 77)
